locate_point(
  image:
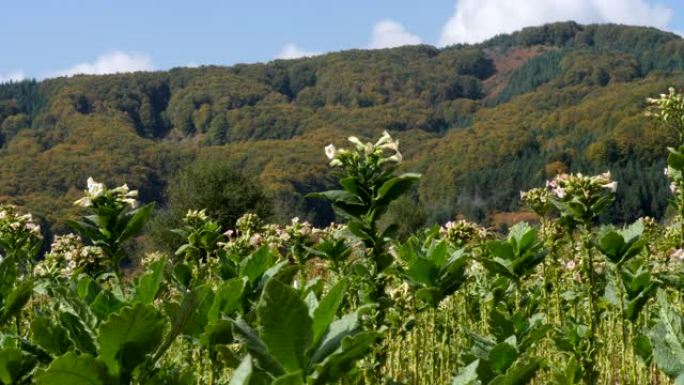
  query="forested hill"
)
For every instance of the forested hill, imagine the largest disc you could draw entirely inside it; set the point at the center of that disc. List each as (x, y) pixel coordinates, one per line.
(481, 122)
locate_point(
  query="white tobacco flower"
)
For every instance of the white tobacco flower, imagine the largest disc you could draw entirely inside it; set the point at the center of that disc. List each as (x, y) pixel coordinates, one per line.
(397, 157)
(384, 139)
(678, 254)
(330, 151)
(673, 187)
(559, 192)
(95, 189)
(356, 141)
(612, 186)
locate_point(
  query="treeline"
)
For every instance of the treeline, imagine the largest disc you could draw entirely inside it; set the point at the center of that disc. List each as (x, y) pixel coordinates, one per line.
(573, 104)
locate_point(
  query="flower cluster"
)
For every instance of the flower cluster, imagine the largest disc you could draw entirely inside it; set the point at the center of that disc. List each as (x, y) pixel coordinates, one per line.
(98, 195)
(462, 232)
(20, 234)
(14, 222)
(250, 234)
(567, 186)
(365, 152)
(537, 199)
(669, 108)
(69, 255)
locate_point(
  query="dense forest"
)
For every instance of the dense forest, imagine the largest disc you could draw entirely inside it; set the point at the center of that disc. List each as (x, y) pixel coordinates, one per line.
(479, 121)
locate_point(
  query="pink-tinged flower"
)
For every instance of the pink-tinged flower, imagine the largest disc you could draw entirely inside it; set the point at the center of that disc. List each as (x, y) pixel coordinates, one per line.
(678, 254)
(570, 265)
(673, 187)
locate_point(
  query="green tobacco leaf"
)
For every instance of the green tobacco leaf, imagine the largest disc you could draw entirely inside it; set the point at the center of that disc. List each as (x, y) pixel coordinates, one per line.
(502, 356)
(284, 324)
(129, 335)
(80, 336)
(501, 249)
(16, 300)
(294, 378)
(14, 364)
(675, 160)
(149, 284)
(520, 373)
(612, 245)
(327, 308)
(182, 274)
(137, 221)
(8, 275)
(228, 299)
(243, 373)
(193, 312)
(217, 333)
(643, 348)
(336, 196)
(256, 347)
(257, 264)
(522, 236)
(467, 375)
(666, 339)
(105, 303)
(342, 360)
(395, 187)
(50, 335)
(73, 369)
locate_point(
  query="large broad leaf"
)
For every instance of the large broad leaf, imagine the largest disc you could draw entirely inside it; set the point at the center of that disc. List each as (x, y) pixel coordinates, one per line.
(520, 374)
(8, 275)
(14, 364)
(105, 303)
(468, 375)
(73, 369)
(284, 324)
(612, 245)
(228, 299)
(501, 357)
(336, 196)
(395, 187)
(136, 221)
(129, 335)
(667, 338)
(243, 373)
(257, 264)
(294, 378)
(343, 359)
(219, 332)
(522, 236)
(78, 332)
(16, 300)
(50, 335)
(326, 310)
(501, 249)
(257, 348)
(149, 284)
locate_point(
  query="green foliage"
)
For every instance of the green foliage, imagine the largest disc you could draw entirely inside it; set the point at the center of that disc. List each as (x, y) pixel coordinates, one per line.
(223, 192)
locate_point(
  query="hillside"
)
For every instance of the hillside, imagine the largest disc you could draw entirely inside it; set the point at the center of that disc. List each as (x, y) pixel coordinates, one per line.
(481, 122)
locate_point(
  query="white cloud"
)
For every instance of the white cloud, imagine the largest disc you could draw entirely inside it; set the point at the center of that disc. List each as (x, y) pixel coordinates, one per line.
(14, 76)
(292, 51)
(476, 20)
(389, 33)
(110, 63)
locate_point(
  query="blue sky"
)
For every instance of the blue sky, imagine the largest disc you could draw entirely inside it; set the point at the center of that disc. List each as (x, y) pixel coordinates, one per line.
(62, 37)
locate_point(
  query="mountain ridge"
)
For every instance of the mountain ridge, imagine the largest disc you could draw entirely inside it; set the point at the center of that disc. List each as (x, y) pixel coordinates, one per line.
(480, 121)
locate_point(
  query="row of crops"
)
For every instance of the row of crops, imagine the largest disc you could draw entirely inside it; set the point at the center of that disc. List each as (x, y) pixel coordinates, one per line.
(567, 301)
